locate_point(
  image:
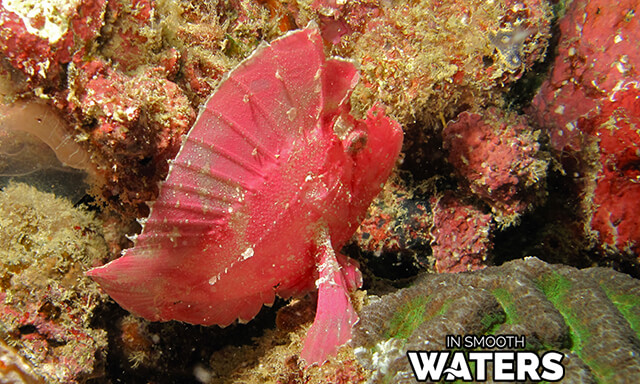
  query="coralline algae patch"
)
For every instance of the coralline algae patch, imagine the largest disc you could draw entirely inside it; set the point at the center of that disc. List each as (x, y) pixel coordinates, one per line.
(497, 156)
(46, 302)
(597, 56)
(461, 238)
(588, 107)
(590, 315)
(45, 19)
(614, 221)
(40, 37)
(136, 122)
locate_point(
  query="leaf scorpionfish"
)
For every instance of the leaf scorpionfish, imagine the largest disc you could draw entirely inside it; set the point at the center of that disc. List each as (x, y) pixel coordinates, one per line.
(270, 183)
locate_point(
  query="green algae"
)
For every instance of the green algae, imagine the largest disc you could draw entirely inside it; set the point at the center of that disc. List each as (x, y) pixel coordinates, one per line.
(492, 320)
(409, 317)
(556, 287)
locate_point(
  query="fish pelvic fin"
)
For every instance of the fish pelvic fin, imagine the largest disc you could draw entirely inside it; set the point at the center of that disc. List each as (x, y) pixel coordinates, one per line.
(335, 315)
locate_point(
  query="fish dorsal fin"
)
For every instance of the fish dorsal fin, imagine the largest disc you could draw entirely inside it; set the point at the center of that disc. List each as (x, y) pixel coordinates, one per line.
(246, 127)
(339, 78)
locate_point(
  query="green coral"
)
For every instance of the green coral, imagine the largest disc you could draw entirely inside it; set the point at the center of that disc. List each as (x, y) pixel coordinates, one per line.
(590, 315)
(407, 319)
(505, 299)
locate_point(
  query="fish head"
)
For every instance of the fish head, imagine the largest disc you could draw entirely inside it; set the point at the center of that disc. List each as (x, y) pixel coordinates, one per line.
(374, 146)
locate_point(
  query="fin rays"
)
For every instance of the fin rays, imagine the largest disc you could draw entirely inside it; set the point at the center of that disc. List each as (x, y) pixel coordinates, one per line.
(242, 131)
(199, 191)
(211, 174)
(226, 154)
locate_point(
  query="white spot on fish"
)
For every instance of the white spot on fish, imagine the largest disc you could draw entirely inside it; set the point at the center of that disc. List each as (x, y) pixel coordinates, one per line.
(247, 253)
(214, 279)
(291, 114)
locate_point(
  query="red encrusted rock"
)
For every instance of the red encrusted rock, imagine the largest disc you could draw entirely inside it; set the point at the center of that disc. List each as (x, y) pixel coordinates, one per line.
(589, 108)
(461, 235)
(498, 157)
(397, 221)
(39, 37)
(132, 35)
(596, 55)
(133, 124)
(616, 214)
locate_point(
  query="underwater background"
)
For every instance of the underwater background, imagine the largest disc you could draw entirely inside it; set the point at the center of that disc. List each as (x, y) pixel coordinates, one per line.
(514, 206)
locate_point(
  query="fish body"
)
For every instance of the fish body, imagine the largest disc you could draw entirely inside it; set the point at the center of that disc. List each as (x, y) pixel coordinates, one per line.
(270, 183)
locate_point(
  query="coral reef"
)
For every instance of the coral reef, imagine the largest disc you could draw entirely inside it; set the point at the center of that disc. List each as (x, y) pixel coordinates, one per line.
(40, 37)
(596, 57)
(588, 107)
(461, 235)
(591, 315)
(46, 302)
(434, 58)
(211, 38)
(110, 87)
(498, 156)
(133, 36)
(616, 191)
(136, 126)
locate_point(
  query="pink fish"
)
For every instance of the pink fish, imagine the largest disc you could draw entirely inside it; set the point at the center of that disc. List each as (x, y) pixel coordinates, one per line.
(270, 183)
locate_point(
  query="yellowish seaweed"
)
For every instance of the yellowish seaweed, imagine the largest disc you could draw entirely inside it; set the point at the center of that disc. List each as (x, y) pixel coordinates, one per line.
(46, 244)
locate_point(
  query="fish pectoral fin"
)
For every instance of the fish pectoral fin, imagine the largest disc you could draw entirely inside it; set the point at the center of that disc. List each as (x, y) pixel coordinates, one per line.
(335, 315)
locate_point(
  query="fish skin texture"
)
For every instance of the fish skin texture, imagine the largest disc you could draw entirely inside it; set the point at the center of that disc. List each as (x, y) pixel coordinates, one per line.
(261, 197)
